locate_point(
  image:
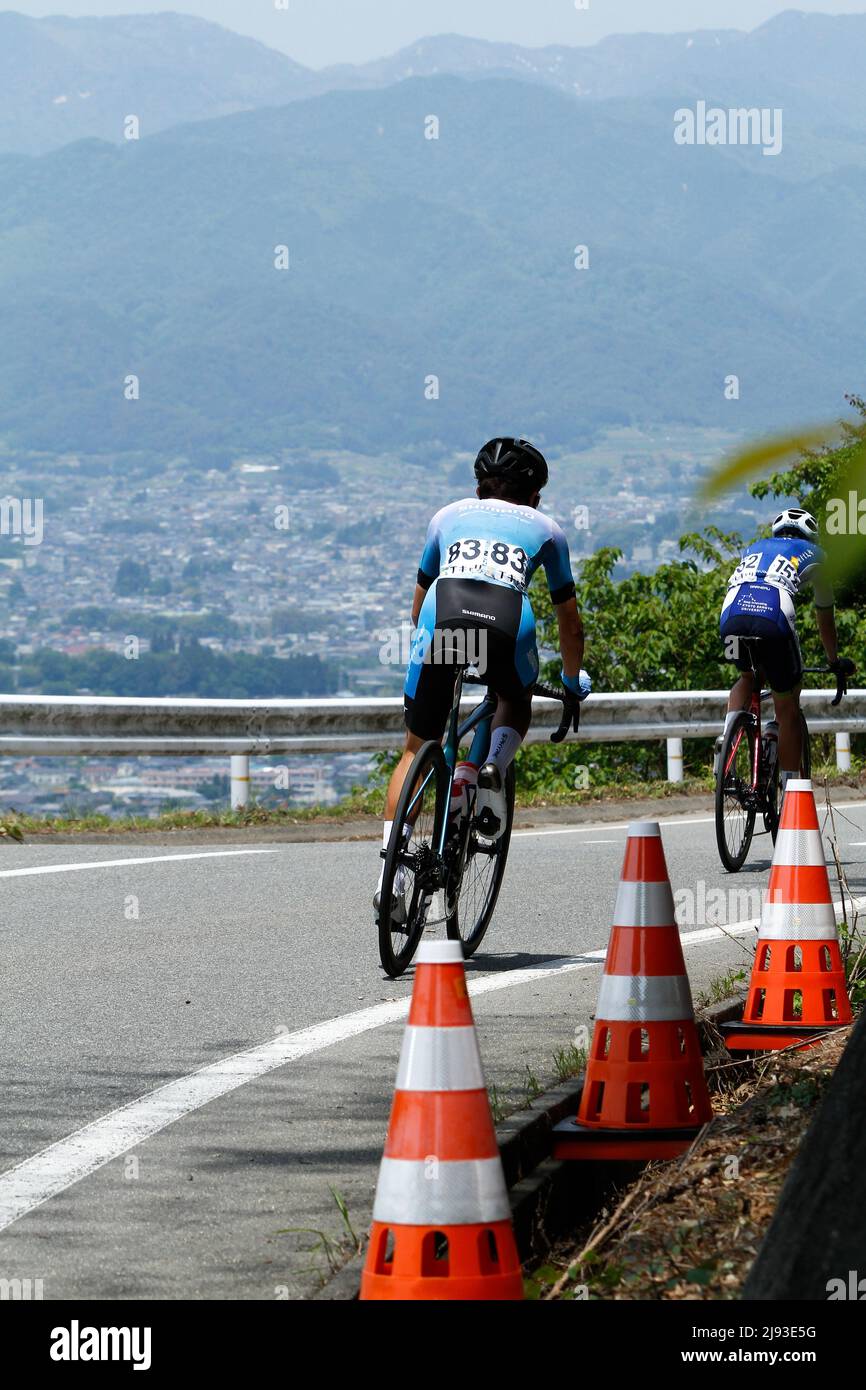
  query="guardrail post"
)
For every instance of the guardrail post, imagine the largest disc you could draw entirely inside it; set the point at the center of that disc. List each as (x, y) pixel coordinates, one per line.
(240, 781)
(843, 752)
(675, 759)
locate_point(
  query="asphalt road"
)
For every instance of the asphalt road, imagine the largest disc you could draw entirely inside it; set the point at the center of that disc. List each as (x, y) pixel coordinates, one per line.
(198, 1044)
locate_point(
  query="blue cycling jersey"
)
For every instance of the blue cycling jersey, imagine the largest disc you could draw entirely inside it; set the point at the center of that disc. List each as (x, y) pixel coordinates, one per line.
(787, 563)
(763, 587)
(498, 542)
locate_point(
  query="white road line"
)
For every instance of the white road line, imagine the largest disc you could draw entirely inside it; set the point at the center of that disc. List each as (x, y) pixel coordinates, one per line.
(125, 863)
(607, 825)
(61, 1165)
(839, 807)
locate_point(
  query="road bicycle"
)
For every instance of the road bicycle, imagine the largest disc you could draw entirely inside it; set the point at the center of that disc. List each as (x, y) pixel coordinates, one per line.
(443, 852)
(748, 773)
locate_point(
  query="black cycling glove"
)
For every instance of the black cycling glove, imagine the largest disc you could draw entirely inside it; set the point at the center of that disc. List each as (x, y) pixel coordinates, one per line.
(843, 666)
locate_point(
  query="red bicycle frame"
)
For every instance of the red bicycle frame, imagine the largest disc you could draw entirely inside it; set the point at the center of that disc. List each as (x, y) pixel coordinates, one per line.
(755, 711)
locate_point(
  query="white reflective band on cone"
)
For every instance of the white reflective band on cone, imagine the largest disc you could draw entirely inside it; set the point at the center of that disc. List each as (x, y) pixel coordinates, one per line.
(644, 830)
(644, 999)
(798, 922)
(644, 905)
(439, 953)
(428, 1192)
(440, 1059)
(796, 847)
(798, 784)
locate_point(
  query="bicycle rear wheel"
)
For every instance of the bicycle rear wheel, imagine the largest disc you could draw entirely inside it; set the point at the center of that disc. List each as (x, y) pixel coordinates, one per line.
(735, 805)
(479, 868)
(413, 868)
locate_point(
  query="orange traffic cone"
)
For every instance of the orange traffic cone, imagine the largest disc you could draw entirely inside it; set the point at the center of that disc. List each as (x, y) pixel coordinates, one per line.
(441, 1220)
(645, 1094)
(798, 989)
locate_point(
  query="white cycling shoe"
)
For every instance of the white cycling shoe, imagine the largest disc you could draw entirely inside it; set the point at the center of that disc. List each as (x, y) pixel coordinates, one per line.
(491, 806)
(399, 911)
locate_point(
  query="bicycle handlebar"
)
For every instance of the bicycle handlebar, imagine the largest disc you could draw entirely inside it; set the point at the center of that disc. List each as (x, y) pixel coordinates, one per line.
(841, 680)
(570, 710)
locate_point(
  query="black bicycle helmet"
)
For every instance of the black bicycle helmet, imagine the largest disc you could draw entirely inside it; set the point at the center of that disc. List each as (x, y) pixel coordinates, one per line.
(512, 458)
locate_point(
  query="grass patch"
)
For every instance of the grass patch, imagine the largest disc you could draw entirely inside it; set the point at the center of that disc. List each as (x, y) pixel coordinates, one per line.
(721, 988)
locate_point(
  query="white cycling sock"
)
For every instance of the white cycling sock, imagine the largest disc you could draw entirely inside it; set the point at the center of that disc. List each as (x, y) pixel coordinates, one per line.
(729, 719)
(466, 772)
(504, 744)
(386, 836)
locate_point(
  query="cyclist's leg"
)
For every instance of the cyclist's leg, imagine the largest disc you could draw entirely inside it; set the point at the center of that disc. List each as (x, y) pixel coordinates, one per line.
(735, 630)
(427, 696)
(514, 672)
(398, 776)
(787, 704)
(741, 693)
(783, 663)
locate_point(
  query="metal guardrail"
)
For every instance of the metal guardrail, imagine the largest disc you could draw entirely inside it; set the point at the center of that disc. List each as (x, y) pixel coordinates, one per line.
(75, 726)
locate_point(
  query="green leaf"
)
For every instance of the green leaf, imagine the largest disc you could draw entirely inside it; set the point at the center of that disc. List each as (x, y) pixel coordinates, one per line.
(757, 457)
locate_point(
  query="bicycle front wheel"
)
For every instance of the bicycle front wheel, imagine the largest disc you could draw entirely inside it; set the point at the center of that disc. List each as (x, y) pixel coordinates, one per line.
(480, 868)
(806, 743)
(735, 793)
(413, 867)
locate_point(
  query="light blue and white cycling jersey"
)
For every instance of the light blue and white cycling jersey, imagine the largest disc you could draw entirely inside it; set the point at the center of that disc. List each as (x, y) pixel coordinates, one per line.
(497, 542)
(478, 563)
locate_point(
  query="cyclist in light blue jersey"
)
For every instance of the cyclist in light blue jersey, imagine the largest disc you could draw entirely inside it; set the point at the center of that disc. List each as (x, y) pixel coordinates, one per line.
(759, 607)
(472, 601)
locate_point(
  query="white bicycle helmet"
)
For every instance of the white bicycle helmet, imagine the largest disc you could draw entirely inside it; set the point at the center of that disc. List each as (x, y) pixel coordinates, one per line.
(794, 521)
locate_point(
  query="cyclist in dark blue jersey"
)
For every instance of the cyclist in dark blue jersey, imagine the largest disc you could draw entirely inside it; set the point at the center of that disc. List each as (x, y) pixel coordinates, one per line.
(760, 605)
(472, 602)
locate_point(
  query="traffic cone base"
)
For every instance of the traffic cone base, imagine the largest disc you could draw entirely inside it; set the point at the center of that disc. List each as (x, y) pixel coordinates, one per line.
(798, 990)
(645, 1094)
(573, 1140)
(771, 1038)
(445, 1264)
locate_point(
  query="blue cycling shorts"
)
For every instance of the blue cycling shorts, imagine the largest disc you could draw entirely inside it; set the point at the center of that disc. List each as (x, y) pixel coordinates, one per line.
(757, 625)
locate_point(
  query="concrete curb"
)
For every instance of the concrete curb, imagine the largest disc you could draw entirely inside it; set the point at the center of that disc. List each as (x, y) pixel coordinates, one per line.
(545, 1204)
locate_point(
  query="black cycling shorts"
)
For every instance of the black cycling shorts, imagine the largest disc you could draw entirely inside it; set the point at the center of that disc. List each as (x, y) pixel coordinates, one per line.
(778, 659)
(472, 618)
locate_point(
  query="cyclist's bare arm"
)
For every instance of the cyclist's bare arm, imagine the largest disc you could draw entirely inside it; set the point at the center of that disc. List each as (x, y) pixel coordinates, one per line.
(827, 633)
(571, 636)
(418, 600)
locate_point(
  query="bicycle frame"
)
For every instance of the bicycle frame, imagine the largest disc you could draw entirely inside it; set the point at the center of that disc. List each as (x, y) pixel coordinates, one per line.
(755, 711)
(754, 708)
(480, 720)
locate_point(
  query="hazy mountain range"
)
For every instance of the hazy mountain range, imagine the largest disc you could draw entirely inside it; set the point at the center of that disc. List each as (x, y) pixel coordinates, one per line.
(67, 79)
(412, 258)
